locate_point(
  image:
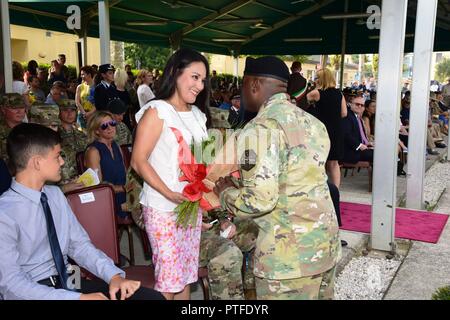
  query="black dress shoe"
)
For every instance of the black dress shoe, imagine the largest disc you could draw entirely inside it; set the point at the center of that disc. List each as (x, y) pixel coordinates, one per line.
(432, 152)
(344, 243)
(401, 173)
(440, 145)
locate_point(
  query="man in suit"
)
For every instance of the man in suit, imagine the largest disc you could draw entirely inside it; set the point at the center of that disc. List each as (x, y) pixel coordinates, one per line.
(356, 144)
(297, 85)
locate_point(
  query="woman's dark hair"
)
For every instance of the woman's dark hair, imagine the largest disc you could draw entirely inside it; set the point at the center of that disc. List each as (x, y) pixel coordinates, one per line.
(179, 61)
(32, 67)
(29, 139)
(17, 71)
(89, 70)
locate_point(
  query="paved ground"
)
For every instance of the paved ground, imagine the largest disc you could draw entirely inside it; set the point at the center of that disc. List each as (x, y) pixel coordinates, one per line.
(426, 267)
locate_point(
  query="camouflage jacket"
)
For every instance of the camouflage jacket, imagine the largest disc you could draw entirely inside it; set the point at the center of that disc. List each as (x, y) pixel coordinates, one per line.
(4, 131)
(123, 135)
(72, 142)
(284, 188)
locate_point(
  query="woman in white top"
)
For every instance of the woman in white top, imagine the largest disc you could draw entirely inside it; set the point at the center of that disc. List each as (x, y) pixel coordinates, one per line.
(143, 81)
(155, 159)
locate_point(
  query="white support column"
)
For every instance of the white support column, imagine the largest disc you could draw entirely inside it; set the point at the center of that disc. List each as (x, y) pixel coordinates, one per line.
(420, 95)
(392, 38)
(6, 35)
(236, 66)
(104, 28)
(84, 52)
(343, 47)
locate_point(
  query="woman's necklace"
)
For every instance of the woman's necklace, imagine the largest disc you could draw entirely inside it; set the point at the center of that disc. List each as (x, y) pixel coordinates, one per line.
(184, 124)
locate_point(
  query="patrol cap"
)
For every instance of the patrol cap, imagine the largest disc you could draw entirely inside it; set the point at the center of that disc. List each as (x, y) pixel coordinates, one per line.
(116, 106)
(45, 114)
(268, 67)
(235, 97)
(67, 104)
(12, 100)
(105, 68)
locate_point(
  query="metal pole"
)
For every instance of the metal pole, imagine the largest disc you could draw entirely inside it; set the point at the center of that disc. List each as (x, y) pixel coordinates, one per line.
(104, 28)
(236, 67)
(6, 35)
(420, 95)
(392, 38)
(344, 47)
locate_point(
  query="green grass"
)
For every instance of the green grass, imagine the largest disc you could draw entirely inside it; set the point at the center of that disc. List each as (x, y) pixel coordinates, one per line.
(442, 294)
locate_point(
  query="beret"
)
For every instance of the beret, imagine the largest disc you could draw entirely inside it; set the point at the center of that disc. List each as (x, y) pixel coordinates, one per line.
(116, 106)
(267, 67)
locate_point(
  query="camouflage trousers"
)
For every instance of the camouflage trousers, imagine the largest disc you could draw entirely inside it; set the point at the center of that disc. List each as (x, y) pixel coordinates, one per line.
(224, 259)
(317, 287)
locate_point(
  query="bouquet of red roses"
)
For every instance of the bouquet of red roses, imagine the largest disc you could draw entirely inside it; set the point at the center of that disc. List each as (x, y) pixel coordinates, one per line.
(200, 178)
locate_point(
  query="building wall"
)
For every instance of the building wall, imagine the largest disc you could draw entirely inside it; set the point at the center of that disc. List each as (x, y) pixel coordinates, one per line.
(44, 46)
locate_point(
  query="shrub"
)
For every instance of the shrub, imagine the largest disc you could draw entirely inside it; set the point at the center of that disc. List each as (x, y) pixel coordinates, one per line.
(442, 294)
(72, 69)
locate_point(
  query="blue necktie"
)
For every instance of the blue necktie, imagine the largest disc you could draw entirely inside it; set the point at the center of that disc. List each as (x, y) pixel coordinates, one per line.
(54, 244)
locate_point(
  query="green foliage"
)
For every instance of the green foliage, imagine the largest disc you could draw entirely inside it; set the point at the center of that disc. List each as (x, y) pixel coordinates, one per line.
(442, 294)
(375, 61)
(335, 61)
(148, 56)
(72, 69)
(443, 70)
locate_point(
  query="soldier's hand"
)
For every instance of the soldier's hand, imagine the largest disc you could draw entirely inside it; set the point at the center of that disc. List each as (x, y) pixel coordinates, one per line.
(222, 184)
(225, 224)
(206, 226)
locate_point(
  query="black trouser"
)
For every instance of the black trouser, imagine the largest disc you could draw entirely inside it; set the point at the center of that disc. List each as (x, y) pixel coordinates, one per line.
(96, 285)
(334, 192)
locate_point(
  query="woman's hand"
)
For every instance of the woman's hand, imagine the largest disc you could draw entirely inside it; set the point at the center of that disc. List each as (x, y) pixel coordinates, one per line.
(175, 197)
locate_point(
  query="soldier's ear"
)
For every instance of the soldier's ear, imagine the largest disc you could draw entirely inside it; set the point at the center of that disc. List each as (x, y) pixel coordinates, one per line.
(255, 85)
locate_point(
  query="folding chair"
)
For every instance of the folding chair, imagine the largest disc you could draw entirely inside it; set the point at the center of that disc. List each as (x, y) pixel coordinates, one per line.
(95, 209)
(124, 224)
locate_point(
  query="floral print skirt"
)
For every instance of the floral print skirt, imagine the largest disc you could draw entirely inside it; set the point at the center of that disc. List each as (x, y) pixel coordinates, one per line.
(175, 250)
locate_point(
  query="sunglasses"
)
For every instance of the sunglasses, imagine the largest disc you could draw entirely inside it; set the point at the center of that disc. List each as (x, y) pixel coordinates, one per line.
(105, 125)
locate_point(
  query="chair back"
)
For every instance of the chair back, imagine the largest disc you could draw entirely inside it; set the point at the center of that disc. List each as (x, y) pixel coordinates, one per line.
(95, 209)
(80, 162)
(126, 152)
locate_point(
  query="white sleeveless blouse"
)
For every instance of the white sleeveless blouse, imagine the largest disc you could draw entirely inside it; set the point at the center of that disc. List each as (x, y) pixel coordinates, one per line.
(164, 157)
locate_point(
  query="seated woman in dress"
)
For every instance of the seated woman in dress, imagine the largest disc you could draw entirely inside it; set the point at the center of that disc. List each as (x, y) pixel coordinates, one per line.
(104, 156)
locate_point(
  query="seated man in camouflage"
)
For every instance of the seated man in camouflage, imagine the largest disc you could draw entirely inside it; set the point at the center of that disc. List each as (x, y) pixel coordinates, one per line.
(223, 256)
(12, 111)
(118, 109)
(73, 141)
(62, 119)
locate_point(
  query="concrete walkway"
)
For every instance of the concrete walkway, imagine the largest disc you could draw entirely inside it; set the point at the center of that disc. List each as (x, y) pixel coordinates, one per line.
(426, 267)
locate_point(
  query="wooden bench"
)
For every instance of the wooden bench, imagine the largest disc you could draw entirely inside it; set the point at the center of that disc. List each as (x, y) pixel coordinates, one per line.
(361, 164)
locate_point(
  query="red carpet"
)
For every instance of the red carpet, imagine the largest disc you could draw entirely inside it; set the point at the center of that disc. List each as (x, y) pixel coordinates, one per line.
(409, 224)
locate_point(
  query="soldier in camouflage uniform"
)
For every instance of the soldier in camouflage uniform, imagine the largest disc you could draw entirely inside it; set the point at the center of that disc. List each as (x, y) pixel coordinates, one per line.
(12, 109)
(46, 115)
(224, 258)
(284, 188)
(118, 109)
(73, 140)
